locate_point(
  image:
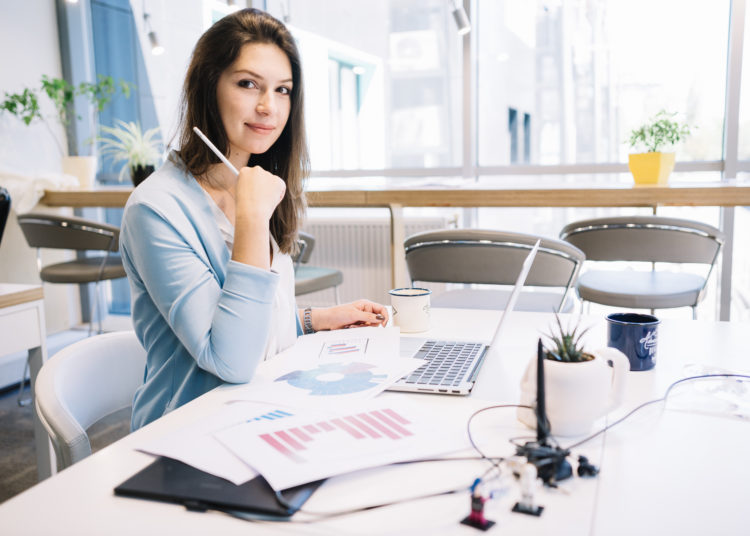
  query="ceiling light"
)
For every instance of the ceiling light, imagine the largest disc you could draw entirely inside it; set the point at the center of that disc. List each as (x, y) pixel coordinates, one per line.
(156, 48)
(461, 18)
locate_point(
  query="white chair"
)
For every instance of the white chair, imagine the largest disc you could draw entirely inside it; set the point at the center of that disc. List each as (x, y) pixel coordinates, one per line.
(489, 257)
(83, 383)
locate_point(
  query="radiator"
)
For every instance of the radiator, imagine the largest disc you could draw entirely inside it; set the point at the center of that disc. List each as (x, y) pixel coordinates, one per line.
(361, 249)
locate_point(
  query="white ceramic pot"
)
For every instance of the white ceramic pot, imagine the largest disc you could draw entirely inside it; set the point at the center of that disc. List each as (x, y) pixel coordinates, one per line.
(81, 167)
(576, 394)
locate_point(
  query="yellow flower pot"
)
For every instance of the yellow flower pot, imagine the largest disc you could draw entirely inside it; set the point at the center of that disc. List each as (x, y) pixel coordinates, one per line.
(651, 168)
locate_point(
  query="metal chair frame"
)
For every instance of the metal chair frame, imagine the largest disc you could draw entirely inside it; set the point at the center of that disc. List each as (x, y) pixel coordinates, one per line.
(718, 238)
(306, 244)
(109, 244)
(577, 263)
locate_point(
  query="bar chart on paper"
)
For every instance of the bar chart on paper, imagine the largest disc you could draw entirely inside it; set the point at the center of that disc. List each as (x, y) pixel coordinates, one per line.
(387, 425)
(319, 444)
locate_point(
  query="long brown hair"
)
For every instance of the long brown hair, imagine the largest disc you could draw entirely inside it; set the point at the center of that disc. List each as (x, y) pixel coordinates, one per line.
(287, 158)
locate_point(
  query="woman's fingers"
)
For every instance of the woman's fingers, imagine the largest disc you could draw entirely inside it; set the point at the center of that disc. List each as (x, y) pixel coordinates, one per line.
(259, 191)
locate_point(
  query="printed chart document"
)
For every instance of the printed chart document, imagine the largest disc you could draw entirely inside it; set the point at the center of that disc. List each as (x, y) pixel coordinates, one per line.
(305, 446)
(196, 445)
(330, 368)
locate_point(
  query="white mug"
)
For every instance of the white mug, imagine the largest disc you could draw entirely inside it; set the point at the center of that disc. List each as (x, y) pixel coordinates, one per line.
(411, 309)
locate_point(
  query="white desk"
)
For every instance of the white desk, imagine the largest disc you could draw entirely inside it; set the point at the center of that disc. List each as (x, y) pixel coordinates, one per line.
(22, 328)
(663, 472)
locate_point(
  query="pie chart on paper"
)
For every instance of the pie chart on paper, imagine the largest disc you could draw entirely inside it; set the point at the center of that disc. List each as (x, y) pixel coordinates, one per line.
(335, 378)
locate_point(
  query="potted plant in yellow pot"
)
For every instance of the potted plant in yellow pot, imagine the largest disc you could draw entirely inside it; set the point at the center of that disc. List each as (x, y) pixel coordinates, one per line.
(660, 132)
(126, 142)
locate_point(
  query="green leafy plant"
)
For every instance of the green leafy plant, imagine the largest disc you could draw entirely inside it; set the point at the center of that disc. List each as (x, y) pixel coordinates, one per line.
(659, 132)
(25, 105)
(566, 344)
(127, 142)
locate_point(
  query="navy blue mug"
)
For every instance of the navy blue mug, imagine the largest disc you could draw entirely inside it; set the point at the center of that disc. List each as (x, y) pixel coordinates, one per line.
(635, 335)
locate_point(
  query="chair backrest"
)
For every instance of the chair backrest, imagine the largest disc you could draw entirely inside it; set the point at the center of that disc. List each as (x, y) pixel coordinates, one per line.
(4, 210)
(84, 382)
(305, 246)
(68, 232)
(489, 257)
(645, 239)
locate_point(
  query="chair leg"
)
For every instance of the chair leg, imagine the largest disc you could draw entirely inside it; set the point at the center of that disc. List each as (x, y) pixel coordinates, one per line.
(96, 312)
(695, 312)
(336, 294)
(23, 402)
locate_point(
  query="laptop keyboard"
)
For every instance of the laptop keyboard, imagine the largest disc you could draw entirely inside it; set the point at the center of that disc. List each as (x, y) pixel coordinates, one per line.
(447, 363)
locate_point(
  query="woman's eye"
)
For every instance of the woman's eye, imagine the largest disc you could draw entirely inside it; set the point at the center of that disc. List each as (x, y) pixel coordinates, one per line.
(285, 90)
(247, 84)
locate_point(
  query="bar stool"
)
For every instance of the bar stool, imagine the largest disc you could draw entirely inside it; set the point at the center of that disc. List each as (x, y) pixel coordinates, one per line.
(69, 232)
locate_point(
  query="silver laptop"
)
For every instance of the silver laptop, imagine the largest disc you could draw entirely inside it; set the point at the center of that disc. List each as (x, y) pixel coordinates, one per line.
(451, 367)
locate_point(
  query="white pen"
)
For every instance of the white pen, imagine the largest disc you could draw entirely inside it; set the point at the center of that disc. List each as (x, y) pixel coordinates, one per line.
(211, 146)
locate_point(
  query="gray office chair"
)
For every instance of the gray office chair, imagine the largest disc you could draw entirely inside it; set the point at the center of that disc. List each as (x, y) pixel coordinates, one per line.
(4, 210)
(83, 383)
(495, 258)
(309, 279)
(651, 239)
(68, 232)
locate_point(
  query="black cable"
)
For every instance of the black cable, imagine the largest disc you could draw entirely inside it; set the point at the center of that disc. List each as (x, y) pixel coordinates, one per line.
(495, 464)
(655, 401)
(324, 515)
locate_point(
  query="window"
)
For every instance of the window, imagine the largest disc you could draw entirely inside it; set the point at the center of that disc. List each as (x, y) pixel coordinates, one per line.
(392, 83)
(589, 72)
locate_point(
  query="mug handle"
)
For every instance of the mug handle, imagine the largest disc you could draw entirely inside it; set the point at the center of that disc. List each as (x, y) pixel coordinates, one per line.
(620, 368)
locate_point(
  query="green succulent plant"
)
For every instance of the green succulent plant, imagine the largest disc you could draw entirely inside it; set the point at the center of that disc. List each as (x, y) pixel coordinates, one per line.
(565, 344)
(659, 132)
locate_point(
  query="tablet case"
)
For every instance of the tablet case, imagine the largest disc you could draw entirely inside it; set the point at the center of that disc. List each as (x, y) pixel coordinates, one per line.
(173, 481)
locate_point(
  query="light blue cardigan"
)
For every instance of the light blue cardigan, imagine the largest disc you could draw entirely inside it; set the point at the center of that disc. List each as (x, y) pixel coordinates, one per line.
(202, 317)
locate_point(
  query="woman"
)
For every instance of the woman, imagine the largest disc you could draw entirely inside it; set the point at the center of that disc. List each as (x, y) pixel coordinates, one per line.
(207, 252)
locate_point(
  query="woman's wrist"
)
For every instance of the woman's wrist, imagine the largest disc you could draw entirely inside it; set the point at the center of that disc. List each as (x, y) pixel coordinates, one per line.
(318, 318)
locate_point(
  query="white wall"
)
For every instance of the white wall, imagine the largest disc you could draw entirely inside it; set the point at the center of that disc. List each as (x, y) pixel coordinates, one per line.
(178, 30)
(28, 37)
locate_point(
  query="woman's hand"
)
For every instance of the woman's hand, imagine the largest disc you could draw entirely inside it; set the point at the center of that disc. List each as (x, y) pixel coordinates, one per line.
(360, 313)
(258, 193)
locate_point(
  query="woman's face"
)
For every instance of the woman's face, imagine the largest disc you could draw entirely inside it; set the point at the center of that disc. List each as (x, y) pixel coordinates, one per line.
(254, 99)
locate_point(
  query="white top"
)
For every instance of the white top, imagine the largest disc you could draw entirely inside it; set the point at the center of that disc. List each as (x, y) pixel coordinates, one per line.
(284, 312)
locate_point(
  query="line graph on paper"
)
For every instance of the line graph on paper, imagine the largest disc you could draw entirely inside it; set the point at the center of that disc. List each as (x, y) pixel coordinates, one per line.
(386, 425)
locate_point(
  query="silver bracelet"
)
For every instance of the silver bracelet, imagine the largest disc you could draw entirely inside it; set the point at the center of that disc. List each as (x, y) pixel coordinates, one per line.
(307, 326)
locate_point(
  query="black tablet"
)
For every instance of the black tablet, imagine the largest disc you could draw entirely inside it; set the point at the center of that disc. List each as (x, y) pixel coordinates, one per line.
(173, 481)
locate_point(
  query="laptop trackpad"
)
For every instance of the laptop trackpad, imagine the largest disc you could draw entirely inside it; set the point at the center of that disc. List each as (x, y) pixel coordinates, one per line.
(409, 346)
